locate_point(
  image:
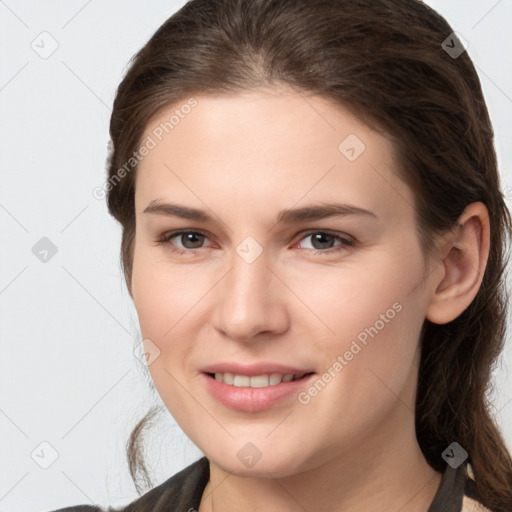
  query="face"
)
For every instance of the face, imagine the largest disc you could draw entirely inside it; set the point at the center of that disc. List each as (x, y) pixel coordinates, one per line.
(274, 239)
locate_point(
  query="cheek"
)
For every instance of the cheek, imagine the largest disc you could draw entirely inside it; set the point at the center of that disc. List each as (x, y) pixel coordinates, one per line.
(164, 300)
(169, 300)
(164, 294)
(375, 315)
(358, 295)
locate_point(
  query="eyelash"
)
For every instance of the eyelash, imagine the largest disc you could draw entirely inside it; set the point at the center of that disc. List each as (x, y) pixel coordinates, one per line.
(166, 238)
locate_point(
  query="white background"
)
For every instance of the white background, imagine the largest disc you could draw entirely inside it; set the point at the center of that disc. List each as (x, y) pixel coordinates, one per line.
(69, 376)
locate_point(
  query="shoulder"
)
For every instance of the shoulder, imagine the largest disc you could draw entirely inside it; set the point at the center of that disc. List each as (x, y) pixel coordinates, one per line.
(471, 505)
(182, 491)
(458, 492)
(472, 501)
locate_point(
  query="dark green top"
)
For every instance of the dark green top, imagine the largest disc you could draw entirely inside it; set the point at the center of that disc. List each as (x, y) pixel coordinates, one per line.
(182, 492)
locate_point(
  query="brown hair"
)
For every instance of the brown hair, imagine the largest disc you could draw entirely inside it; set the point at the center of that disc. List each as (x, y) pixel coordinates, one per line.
(383, 59)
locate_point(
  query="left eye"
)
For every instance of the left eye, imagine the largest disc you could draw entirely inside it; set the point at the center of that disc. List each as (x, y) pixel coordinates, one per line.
(323, 241)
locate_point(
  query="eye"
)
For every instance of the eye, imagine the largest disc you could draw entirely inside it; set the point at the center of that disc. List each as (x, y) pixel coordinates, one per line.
(189, 240)
(323, 242)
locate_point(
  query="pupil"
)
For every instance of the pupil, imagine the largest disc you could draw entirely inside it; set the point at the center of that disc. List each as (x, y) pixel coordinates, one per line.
(319, 236)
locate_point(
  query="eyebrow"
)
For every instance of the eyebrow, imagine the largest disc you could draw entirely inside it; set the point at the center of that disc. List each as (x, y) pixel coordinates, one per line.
(286, 216)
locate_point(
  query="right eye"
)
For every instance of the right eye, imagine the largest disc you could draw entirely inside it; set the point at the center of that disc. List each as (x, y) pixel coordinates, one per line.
(188, 239)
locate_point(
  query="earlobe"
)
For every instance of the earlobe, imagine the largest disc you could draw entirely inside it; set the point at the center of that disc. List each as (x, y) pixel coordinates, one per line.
(461, 265)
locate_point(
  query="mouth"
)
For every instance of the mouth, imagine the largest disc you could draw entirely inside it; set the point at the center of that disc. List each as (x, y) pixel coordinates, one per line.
(256, 381)
(255, 393)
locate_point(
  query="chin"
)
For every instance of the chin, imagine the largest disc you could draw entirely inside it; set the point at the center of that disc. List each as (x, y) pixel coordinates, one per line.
(249, 461)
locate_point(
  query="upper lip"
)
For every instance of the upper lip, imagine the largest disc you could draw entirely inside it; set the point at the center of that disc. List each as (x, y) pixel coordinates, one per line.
(262, 368)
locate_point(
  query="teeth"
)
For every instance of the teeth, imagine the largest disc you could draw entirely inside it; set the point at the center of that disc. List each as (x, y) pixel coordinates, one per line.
(275, 378)
(260, 381)
(256, 381)
(242, 381)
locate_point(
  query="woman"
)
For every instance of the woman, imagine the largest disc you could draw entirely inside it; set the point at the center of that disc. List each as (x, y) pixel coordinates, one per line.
(313, 237)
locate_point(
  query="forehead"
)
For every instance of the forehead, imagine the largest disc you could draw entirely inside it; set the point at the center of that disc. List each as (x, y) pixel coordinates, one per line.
(272, 147)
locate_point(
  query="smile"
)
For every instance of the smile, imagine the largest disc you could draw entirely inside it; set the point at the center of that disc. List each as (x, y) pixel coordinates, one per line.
(255, 381)
(255, 393)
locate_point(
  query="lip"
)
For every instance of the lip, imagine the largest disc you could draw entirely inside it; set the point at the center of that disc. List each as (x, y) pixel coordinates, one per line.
(251, 370)
(247, 399)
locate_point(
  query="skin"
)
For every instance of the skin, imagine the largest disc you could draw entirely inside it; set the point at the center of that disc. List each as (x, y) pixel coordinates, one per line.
(244, 158)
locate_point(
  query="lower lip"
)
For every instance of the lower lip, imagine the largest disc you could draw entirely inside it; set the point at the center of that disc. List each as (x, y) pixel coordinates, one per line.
(249, 399)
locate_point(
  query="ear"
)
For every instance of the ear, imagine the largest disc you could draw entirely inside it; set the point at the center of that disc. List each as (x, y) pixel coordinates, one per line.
(460, 265)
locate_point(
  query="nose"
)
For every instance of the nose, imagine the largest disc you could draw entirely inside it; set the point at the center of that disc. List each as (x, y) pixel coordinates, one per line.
(251, 301)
